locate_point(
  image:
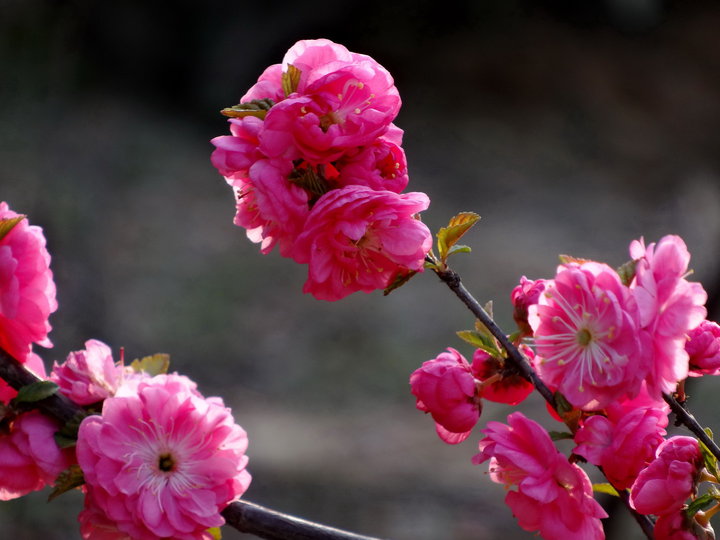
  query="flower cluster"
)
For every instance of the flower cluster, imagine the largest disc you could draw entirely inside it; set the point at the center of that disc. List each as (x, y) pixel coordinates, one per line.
(609, 344)
(317, 169)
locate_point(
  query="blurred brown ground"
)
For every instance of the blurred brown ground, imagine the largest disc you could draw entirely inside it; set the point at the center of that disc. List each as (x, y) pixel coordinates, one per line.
(570, 128)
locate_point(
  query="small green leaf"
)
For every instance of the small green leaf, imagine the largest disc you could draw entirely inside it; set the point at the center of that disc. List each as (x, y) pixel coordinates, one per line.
(627, 272)
(560, 435)
(256, 107)
(7, 224)
(448, 236)
(481, 341)
(290, 79)
(562, 404)
(67, 480)
(606, 488)
(710, 460)
(458, 248)
(566, 259)
(152, 365)
(701, 503)
(66, 436)
(215, 533)
(35, 392)
(400, 280)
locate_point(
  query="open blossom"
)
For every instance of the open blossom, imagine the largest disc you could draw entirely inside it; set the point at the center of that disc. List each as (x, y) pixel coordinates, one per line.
(585, 325)
(162, 461)
(445, 388)
(526, 294)
(703, 349)
(359, 239)
(89, 375)
(664, 485)
(553, 496)
(622, 443)
(29, 457)
(27, 289)
(669, 307)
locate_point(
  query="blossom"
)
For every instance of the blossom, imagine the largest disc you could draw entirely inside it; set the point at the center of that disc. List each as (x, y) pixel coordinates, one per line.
(553, 496)
(677, 526)
(664, 485)
(703, 349)
(29, 457)
(526, 294)
(669, 307)
(585, 325)
(510, 387)
(88, 376)
(162, 461)
(234, 154)
(379, 165)
(445, 388)
(359, 239)
(622, 443)
(27, 289)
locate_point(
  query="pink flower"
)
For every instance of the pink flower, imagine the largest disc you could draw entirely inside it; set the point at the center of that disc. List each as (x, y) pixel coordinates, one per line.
(445, 388)
(29, 457)
(703, 349)
(511, 388)
(623, 443)
(669, 307)
(677, 526)
(553, 496)
(526, 294)
(234, 154)
(359, 239)
(27, 289)
(380, 165)
(95, 525)
(585, 326)
(162, 461)
(670, 479)
(90, 375)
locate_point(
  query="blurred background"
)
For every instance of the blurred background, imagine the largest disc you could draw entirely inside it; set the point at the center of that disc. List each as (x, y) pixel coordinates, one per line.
(571, 127)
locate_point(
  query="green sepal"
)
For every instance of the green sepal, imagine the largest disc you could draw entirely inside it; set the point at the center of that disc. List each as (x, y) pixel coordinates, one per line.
(480, 341)
(701, 503)
(290, 80)
(156, 364)
(399, 280)
(66, 436)
(448, 236)
(562, 405)
(459, 248)
(560, 435)
(215, 532)
(36, 391)
(566, 259)
(605, 487)
(710, 460)
(256, 107)
(7, 225)
(627, 272)
(68, 479)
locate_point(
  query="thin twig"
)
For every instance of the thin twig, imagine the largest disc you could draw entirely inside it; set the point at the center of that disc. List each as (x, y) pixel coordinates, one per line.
(453, 281)
(688, 420)
(241, 515)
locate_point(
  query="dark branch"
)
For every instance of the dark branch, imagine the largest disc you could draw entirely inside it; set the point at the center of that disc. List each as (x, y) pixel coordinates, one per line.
(242, 515)
(688, 420)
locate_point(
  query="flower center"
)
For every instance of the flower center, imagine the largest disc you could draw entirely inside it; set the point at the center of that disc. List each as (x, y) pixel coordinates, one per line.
(584, 337)
(166, 462)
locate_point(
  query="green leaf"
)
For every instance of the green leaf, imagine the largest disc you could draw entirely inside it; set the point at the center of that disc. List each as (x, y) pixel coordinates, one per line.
(215, 533)
(566, 259)
(606, 488)
(563, 405)
(701, 503)
(627, 272)
(7, 224)
(710, 460)
(400, 280)
(448, 236)
(481, 341)
(256, 107)
(153, 365)
(67, 480)
(458, 248)
(560, 435)
(66, 436)
(35, 392)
